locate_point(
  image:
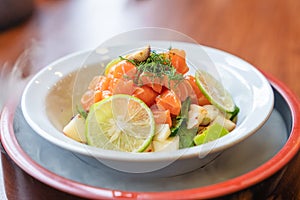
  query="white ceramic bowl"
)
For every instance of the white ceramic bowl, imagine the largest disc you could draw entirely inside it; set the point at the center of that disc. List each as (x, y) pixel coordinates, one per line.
(47, 112)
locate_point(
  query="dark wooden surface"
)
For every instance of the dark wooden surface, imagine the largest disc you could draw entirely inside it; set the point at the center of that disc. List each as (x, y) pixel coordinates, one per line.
(264, 33)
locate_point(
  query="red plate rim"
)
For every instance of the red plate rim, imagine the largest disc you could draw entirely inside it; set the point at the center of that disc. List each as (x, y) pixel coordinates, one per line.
(289, 150)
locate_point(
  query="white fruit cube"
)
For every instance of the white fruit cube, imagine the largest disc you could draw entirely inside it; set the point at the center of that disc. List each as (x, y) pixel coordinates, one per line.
(75, 129)
(195, 116)
(162, 132)
(171, 144)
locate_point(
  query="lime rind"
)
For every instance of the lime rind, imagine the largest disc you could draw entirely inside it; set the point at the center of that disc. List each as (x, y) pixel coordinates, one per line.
(216, 94)
(131, 132)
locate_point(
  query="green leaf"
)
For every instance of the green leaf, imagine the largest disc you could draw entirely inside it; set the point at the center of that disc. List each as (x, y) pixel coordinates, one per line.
(129, 60)
(186, 136)
(179, 128)
(181, 117)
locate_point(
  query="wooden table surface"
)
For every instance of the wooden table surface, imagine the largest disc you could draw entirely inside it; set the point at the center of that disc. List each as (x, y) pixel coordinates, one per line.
(264, 33)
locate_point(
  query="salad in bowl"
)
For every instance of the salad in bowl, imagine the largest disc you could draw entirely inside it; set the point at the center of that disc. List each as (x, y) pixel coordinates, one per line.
(139, 108)
(146, 101)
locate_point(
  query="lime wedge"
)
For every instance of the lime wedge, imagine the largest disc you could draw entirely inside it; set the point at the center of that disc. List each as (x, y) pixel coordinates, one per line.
(120, 122)
(217, 95)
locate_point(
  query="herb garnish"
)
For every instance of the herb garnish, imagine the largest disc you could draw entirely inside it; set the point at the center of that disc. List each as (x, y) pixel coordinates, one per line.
(156, 66)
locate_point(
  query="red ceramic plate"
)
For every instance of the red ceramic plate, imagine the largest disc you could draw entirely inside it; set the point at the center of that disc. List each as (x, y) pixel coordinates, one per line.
(285, 100)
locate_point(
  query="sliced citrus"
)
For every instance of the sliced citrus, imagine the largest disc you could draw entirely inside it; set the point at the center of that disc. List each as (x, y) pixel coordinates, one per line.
(215, 92)
(120, 122)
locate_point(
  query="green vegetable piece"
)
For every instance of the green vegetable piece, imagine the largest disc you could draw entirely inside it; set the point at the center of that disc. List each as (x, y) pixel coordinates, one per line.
(180, 128)
(186, 136)
(213, 132)
(234, 113)
(181, 117)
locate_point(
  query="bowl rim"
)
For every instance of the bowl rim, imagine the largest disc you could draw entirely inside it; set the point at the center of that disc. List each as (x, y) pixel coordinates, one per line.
(186, 153)
(278, 161)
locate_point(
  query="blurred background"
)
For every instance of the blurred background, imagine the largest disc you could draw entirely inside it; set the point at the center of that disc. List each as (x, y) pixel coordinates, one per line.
(261, 32)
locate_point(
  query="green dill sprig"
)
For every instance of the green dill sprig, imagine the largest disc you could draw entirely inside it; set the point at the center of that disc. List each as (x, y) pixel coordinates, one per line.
(129, 60)
(155, 66)
(159, 66)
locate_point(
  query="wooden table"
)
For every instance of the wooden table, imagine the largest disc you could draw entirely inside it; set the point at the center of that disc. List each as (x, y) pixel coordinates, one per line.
(264, 33)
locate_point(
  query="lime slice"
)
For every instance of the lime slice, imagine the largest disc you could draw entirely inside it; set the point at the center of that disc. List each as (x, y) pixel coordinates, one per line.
(110, 64)
(217, 95)
(120, 122)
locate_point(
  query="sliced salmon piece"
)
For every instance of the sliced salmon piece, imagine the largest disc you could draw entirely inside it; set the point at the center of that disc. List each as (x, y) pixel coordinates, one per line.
(146, 94)
(121, 86)
(150, 79)
(156, 87)
(94, 82)
(101, 94)
(122, 69)
(168, 100)
(162, 116)
(87, 99)
(177, 58)
(97, 96)
(103, 83)
(183, 89)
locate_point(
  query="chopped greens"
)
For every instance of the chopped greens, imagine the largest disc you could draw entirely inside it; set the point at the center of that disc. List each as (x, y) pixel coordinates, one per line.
(179, 128)
(129, 60)
(186, 136)
(181, 117)
(156, 66)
